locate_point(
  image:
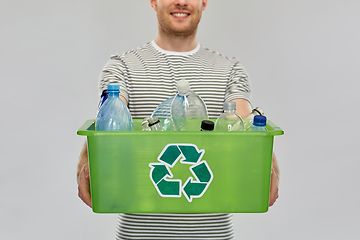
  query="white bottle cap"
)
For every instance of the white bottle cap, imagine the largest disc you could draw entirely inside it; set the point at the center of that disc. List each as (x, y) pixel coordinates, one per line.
(183, 86)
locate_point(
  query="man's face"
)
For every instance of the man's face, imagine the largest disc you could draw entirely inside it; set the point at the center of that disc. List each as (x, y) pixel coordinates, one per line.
(178, 17)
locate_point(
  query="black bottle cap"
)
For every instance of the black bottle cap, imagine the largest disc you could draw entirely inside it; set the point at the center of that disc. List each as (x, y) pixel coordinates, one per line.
(207, 125)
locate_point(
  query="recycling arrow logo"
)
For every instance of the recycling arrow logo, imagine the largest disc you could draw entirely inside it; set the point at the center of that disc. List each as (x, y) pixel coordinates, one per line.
(162, 177)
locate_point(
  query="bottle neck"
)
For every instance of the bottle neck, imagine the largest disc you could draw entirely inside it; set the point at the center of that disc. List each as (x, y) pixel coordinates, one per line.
(229, 110)
(184, 93)
(114, 93)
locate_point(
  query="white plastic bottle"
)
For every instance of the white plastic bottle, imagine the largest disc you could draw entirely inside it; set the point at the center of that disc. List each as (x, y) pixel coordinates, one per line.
(187, 109)
(229, 120)
(259, 123)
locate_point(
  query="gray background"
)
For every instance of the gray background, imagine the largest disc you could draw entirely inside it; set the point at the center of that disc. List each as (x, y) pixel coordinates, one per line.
(302, 57)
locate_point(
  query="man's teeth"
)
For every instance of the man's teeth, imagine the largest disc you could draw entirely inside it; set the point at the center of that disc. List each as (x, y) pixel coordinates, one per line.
(180, 14)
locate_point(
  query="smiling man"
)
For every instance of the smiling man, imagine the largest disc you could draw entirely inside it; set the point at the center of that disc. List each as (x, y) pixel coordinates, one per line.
(177, 24)
(147, 76)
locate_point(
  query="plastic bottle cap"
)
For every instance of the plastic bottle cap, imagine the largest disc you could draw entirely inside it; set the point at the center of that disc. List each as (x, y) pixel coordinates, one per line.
(207, 125)
(113, 87)
(229, 105)
(183, 86)
(259, 121)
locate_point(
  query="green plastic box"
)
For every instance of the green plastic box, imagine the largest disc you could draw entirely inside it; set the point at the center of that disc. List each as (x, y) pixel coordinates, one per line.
(179, 172)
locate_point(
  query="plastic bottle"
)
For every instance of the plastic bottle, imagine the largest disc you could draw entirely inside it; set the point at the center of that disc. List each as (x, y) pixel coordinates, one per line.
(154, 124)
(207, 125)
(162, 112)
(229, 120)
(145, 124)
(249, 119)
(187, 109)
(259, 123)
(114, 114)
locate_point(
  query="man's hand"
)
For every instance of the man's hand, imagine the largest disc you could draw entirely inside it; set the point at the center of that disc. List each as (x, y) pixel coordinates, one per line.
(84, 185)
(83, 177)
(274, 183)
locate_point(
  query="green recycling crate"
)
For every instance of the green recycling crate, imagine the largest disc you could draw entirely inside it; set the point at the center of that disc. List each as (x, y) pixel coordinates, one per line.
(179, 172)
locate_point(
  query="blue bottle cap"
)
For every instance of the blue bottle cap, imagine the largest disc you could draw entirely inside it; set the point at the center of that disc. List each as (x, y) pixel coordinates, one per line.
(259, 121)
(113, 87)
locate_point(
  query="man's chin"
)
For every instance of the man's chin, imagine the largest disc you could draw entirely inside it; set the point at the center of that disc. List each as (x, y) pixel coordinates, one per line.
(183, 32)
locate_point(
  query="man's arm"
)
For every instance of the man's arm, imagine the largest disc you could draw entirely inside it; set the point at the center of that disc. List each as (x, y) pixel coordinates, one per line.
(243, 108)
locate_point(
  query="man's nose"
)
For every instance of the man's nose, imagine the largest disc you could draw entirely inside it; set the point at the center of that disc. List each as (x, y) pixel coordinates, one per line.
(181, 2)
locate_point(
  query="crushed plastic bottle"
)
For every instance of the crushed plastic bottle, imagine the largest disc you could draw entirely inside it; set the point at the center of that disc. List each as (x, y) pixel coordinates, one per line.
(229, 120)
(162, 112)
(187, 109)
(113, 115)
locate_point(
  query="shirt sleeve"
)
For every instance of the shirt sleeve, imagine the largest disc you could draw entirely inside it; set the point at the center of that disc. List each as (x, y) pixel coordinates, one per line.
(238, 85)
(115, 72)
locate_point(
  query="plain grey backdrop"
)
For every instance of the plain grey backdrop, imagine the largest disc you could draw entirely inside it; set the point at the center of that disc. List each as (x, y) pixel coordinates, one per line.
(303, 61)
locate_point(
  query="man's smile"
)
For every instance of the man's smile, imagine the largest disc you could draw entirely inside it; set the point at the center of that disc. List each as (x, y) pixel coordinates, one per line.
(180, 14)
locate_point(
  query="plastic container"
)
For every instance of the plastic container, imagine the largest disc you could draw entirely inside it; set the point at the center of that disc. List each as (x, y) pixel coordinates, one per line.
(209, 172)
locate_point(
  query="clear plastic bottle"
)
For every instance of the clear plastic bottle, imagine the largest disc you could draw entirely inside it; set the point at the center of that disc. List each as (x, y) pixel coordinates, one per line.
(259, 123)
(187, 109)
(250, 118)
(207, 125)
(154, 124)
(145, 124)
(229, 120)
(114, 114)
(162, 112)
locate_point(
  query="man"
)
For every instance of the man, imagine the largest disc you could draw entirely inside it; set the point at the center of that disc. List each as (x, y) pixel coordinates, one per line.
(147, 76)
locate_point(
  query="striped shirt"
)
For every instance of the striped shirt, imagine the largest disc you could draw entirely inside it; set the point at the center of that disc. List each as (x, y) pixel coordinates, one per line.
(147, 76)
